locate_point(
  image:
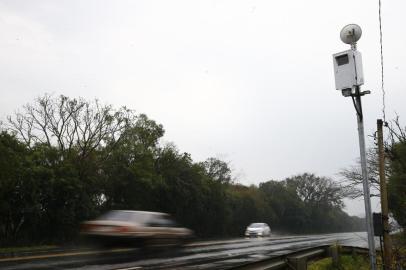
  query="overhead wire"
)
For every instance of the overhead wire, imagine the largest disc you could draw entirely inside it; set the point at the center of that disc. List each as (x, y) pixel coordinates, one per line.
(382, 73)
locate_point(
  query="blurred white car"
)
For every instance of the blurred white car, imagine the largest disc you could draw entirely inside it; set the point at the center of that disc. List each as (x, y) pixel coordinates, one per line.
(135, 227)
(258, 229)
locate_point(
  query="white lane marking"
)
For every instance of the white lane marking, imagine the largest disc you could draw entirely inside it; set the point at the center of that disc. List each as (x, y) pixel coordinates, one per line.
(130, 268)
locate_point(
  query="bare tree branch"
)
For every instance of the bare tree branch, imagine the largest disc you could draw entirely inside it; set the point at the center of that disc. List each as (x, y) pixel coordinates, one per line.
(351, 177)
(67, 123)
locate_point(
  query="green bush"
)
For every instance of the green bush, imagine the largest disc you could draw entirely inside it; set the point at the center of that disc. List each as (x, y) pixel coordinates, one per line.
(347, 262)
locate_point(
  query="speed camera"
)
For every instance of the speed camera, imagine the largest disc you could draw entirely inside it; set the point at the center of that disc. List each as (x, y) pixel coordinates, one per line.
(348, 69)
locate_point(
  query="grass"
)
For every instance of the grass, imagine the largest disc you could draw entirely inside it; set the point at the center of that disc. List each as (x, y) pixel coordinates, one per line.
(347, 262)
(399, 249)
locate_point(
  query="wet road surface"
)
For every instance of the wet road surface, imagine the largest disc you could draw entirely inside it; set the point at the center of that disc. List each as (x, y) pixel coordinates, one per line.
(221, 254)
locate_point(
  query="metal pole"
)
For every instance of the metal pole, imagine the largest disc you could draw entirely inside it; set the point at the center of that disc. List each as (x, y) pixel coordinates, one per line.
(387, 245)
(367, 199)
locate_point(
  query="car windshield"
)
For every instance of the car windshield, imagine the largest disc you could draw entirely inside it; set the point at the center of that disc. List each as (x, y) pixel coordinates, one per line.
(256, 225)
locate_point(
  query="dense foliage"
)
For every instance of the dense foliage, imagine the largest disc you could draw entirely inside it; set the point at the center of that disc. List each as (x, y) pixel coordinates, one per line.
(397, 183)
(64, 160)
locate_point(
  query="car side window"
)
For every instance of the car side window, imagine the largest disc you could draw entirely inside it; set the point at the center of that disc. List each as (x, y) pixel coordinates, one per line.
(162, 222)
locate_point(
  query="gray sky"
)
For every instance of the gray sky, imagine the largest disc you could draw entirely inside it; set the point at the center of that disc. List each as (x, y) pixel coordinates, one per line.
(250, 82)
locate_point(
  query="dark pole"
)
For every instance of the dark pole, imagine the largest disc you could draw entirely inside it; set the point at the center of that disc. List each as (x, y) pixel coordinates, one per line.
(387, 243)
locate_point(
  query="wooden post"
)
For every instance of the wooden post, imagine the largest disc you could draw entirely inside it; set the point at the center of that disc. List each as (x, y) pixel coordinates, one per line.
(335, 255)
(298, 263)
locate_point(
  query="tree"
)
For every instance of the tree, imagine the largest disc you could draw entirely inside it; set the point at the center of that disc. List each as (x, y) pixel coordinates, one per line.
(69, 124)
(315, 190)
(67, 143)
(244, 208)
(396, 153)
(218, 170)
(397, 183)
(322, 198)
(289, 213)
(352, 178)
(394, 143)
(129, 167)
(65, 160)
(184, 191)
(18, 198)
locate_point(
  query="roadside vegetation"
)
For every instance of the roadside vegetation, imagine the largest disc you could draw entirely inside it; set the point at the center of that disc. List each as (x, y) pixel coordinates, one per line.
(65, 160)
(354, 262)
(399, 250)
(395, 170)
(346, 262)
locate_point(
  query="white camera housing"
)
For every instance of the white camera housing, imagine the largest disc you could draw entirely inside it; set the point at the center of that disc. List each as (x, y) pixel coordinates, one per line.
(348, 69)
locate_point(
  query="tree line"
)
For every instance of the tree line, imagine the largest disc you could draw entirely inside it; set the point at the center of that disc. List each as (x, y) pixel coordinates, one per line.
(65, 160)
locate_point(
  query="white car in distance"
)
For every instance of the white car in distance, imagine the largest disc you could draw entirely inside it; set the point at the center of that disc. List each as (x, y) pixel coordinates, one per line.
(258, 230)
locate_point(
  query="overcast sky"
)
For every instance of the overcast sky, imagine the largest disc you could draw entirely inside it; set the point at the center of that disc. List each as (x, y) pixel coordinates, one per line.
(250, 82)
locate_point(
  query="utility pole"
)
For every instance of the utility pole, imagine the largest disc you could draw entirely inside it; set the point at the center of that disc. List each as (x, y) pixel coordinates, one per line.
(348, 78)
(387, 243)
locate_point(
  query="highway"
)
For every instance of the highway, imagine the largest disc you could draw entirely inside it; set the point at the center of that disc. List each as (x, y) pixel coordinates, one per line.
(218, 254)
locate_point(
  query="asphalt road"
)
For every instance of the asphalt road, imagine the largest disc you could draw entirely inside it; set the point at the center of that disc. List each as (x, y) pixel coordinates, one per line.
(221, 254)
